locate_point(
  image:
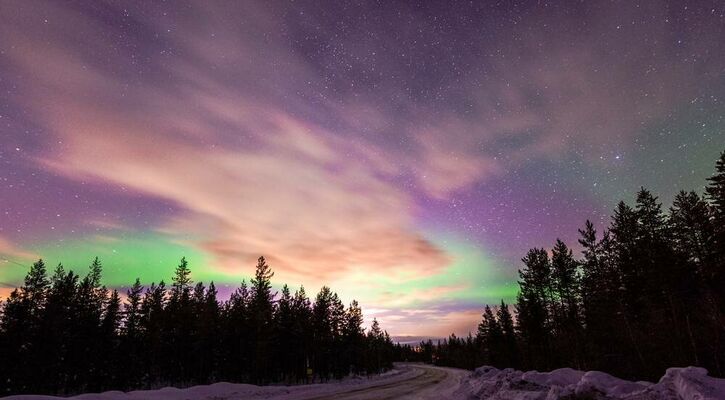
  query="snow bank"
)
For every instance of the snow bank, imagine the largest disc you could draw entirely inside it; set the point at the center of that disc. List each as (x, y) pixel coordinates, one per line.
(241, 391)
(689, 383)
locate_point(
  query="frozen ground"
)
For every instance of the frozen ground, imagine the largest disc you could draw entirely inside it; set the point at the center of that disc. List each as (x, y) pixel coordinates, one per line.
(406, 381)
(415, 381)
(677, 384)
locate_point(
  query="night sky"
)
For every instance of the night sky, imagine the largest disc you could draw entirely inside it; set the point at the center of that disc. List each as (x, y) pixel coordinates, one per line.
(405, 155)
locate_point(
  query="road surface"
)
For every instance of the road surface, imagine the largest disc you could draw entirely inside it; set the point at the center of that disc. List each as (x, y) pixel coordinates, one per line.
(426, 382)
(406, 381)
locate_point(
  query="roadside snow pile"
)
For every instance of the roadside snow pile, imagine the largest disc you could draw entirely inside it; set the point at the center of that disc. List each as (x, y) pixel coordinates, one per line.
(242, 391)
(689, 383)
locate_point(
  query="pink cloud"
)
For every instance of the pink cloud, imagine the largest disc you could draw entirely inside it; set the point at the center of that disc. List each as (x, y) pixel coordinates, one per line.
(13, 251)
(231, 123)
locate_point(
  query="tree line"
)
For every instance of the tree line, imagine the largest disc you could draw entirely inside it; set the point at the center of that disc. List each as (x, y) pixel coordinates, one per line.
(61, 333)
(647, 293)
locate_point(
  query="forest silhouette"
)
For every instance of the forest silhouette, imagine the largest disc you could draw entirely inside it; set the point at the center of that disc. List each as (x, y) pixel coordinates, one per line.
(66, 334)
(647, 294)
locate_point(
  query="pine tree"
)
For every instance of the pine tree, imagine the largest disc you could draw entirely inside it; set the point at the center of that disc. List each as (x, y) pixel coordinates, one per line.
(237, 337)
(715, 195)
(13, 346)
(354, 339)
(109, 374)
(532, 306)
(565, 307)
(87, 344)
(132, 336)
(111, 321)
(376, 343)
(323, 333)
(490, 338)
(284, 334)
(302, 333)
(205, 338)
(36, 287)
(337, 314)
(178, 318)
(261, 312)
(132, 309)
(152, 321)
(56, 338)
(600, 288)
(181, 283)
(21, 325)
(692, 231)
(509, 346)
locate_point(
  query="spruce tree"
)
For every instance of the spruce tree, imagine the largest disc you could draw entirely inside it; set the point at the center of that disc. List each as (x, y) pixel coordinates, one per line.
(533, 308)
(715, 195)
(353, 339)
(181, 282)
(566, 304)
(284, 335)
(323, 333)
(132, 336)
(510, 351)
(110, 371)
(302, 334)
(490, 338)
(132, 309)
(261, 312)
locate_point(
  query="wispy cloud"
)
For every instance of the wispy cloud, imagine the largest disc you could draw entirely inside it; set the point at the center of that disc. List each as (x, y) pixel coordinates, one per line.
(251, 180)
(274, 135)
(10, 252)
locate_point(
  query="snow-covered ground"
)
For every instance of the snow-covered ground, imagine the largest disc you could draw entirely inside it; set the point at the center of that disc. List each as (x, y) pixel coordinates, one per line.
(415, 381)
(689, 383)
(405, 381)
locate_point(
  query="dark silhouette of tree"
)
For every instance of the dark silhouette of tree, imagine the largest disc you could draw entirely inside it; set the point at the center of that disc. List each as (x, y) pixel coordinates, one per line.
(237, 335)
(22, 323)
(490, 338)
(323, 333)
(177, 322)
(533, 308)
(152, 325)
(206, 341)
(284, 320)
(109, 368)
(509, 346)
(261, 309)
(301, 335)
(377, 342)
(56, 332)
(565, 307)
(353, 339)
(132, 336)
(715, 194)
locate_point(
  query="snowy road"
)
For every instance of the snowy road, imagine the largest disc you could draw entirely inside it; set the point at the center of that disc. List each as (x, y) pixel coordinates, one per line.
(427, 382)
(406, 381)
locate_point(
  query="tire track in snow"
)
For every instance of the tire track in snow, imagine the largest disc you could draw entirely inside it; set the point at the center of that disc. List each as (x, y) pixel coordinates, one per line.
(414, 386)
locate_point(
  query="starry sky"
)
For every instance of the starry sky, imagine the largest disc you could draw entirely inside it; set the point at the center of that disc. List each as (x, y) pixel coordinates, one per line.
(407, 155)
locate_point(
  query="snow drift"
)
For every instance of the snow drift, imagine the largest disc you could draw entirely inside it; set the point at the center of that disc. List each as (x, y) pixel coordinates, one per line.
(488, 383)
(689, 383)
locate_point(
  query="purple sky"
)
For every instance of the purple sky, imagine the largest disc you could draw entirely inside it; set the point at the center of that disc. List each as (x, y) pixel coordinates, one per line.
(407, 155)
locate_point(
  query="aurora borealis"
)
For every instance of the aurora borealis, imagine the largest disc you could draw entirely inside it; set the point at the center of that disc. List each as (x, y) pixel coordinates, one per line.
(405, 155)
